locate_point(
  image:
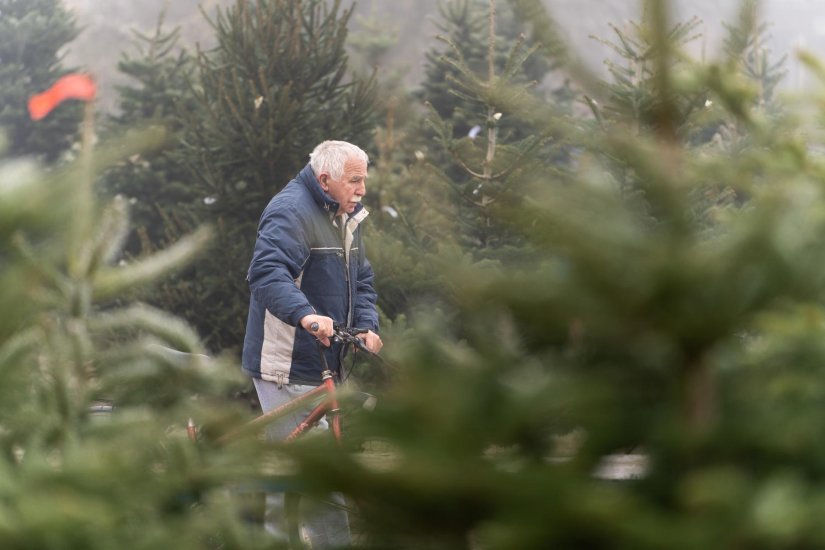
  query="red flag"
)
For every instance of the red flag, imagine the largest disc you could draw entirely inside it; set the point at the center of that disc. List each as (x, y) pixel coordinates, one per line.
(71, 86)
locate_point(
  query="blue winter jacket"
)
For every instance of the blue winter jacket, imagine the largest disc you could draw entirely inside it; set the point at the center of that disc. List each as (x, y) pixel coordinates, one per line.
(304, 262)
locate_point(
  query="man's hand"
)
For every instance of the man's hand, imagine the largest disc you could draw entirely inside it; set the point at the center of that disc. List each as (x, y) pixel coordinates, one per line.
(372, 341)
(322, 327)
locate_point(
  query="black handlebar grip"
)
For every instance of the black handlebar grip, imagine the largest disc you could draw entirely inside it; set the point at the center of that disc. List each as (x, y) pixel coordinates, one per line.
(314, 327)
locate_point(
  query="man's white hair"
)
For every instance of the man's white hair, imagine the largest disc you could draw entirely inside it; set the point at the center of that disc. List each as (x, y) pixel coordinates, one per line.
(330, 157)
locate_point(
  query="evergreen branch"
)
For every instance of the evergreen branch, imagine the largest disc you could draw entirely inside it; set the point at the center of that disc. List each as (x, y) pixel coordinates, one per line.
(459, 63)
(813, 63)
(523, 153)
(109, 282)
(741, 36)
(469, 96)
(533, 13)
(144, 318)
(516, 58)
(34, 261)
(629, 52)
(411, 227)
(679, 34)
(467, 169)
(160, 45)
(18, 345)
(657, 169)
(443, 129)
(106, 239)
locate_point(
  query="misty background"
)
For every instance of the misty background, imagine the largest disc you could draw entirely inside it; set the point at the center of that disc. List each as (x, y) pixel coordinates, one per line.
(107, 30)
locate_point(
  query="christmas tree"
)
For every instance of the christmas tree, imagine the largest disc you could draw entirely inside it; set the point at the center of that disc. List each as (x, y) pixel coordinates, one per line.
(154, 182)
(95, 451)
(444, 201)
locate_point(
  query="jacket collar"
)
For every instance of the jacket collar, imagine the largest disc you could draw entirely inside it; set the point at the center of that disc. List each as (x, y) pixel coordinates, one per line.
(322, 199)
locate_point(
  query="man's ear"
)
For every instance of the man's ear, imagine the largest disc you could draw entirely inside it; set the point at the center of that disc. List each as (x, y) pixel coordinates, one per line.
(323, 180)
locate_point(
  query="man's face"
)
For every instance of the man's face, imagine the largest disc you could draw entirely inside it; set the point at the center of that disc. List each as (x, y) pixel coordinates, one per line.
(350, 188)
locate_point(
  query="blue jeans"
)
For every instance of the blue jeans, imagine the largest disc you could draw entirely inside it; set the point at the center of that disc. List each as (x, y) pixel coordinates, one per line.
(327, 526)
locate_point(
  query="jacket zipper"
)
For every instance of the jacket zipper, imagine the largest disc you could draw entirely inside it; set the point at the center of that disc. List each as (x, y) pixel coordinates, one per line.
(345, 254)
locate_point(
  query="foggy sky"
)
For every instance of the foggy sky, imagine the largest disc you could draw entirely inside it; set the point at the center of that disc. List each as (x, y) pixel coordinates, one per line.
(108, 24)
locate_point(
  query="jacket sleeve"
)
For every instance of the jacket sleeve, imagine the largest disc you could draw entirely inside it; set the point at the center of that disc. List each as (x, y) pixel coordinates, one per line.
(281, 250)
(366, 312)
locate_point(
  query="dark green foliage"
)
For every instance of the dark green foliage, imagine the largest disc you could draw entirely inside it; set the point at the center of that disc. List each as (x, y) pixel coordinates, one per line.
(464, 48)
(273, 88)
(73, 477)
(409, 230)
(32, 34)
(635, 90)
(706, 112)
(160, 71)
(154, 182)
(438, 190)
(483, 168)
(745, 47)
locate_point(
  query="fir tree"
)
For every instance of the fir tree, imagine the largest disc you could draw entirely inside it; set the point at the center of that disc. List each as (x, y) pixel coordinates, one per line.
(487, 162)
(94, 452)
(748, 57)
(745, 46)
(708, 119)
(414, 226)
(154, 182)
(439, 197)
(633, 92)
(464, 38)
(33, 34)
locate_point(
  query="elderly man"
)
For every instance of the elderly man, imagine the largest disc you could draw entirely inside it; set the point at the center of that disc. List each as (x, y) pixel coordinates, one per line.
(309, 271)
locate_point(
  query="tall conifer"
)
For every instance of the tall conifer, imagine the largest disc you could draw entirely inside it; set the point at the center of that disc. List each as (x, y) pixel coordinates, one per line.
(484, 163)
(154, 182)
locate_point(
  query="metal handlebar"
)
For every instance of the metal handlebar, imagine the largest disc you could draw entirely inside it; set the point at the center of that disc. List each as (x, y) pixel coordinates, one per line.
(345, 335)
(349, 335)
